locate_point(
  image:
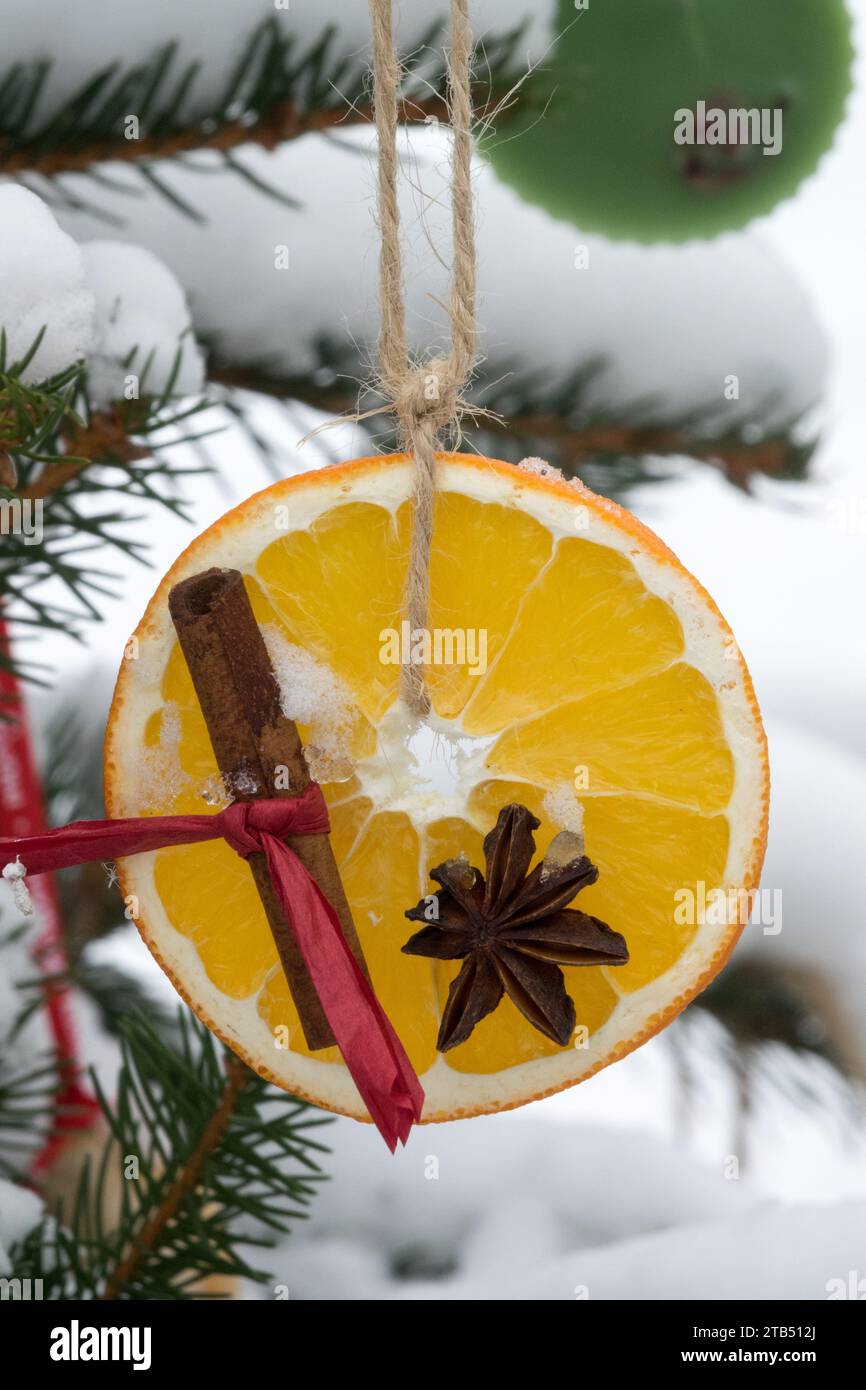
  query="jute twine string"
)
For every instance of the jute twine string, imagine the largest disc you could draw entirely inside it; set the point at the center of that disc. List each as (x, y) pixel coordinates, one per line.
(425, 397)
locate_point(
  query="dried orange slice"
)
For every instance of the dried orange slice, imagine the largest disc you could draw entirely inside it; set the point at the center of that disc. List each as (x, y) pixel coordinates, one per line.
(610, 693)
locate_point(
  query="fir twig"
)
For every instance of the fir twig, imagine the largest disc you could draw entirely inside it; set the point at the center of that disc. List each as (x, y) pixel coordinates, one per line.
(612, 450)
(149, 112)
(27, 1109)
(60, 455)
(218, 1153)
(187, 1180)
(105, 436)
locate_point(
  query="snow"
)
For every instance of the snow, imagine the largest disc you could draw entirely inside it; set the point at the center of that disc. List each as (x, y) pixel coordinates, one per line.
(642, 310)
(786, 578)
(312, 694)
(160, 774)
(142, 321)
(109, 301)
(527, 1209)
(562, 807)
(542, 469)
(817, 838)
(800, 1254)
(42, 286)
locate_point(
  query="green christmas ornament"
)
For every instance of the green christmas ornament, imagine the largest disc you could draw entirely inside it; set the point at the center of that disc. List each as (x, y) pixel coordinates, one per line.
(663, 120)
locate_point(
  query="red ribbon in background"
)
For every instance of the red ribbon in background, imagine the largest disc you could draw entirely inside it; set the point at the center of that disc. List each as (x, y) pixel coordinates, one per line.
(22, 813)
(371, 1049)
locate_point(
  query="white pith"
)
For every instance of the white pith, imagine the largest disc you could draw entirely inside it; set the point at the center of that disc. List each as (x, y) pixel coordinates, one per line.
(392, 782)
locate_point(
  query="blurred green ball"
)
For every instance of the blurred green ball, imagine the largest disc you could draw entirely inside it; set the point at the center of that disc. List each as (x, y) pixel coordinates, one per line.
(593, 140)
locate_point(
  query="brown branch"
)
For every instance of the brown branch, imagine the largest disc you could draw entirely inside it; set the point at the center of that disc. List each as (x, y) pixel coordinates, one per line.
(738, 461)
(106, 435)
(186, 1182)
(576, 444)
(284, 121)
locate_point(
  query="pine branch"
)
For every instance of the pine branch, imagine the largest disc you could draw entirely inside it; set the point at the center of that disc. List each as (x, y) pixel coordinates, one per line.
(30, 1111)
(601, 450)
(794, 1006)
(59, 455)
(282, 123)
(148, 113)
(107, 436)
(611, 449)
(27, 1111)
(221, 1155)
(184, 1185)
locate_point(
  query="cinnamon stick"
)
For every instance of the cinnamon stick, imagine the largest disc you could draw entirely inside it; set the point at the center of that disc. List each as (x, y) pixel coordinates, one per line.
(252, 739)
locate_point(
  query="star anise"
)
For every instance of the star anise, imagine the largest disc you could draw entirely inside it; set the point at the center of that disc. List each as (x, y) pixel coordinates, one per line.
(513, 929)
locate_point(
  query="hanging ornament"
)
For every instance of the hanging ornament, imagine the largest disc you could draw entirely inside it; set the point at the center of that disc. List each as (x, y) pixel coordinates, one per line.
(591, 719)
(440, 675)
(664, 120)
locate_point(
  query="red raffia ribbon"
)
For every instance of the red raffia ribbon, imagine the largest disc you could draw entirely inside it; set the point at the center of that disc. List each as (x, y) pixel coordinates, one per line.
(22, 812)
(371, 1049)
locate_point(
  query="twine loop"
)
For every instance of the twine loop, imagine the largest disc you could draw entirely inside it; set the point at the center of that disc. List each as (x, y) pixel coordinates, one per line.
(425, 397)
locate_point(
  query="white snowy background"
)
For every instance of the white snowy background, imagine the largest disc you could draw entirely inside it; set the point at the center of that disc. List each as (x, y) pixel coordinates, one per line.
(626, 1186)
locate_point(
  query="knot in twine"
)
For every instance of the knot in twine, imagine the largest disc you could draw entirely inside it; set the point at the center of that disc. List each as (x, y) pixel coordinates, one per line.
(428, 397)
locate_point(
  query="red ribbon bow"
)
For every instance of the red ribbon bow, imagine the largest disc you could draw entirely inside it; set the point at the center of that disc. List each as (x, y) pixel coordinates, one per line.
(371, 1049)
